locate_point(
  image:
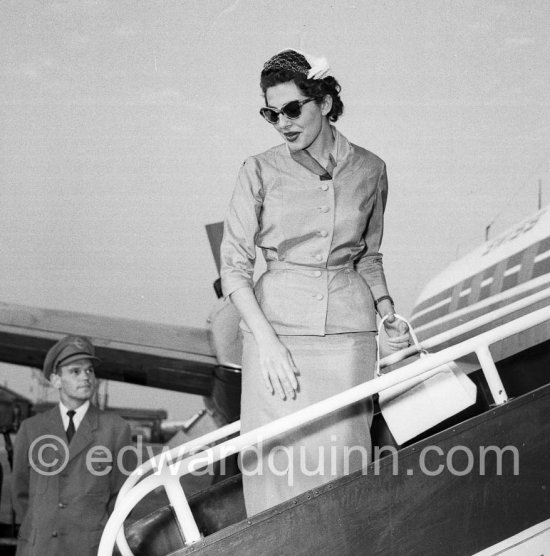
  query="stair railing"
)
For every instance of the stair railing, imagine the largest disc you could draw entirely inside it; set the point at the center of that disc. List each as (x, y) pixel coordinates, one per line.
(169, 474)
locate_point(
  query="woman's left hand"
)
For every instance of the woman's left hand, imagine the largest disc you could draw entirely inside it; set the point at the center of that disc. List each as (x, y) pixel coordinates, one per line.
(398, 333)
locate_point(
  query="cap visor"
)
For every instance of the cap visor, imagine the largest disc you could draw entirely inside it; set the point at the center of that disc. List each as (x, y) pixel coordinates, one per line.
(77, 357)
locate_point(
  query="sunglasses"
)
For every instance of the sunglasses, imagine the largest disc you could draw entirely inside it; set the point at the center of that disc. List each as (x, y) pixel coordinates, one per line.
(290, 110)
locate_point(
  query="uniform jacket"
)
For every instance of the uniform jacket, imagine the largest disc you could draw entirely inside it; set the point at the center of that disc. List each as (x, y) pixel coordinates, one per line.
(320, 238)
(61, 500)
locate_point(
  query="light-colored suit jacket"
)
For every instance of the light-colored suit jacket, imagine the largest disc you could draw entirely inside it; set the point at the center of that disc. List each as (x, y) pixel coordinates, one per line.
(320, 239)
(62, 495)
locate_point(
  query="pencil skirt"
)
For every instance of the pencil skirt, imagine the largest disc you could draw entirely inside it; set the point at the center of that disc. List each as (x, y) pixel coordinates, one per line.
(330, 447)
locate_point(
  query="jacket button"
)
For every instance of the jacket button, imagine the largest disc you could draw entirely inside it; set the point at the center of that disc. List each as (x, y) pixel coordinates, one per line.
(323, 233)
(319, 296)
(324, 208)
(324, 187)
(61, 505)
(319, 257)
(54, 533)
(317, 273)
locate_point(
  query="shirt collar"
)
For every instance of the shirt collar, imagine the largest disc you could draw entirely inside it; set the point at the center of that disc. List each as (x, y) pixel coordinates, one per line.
(78, 416)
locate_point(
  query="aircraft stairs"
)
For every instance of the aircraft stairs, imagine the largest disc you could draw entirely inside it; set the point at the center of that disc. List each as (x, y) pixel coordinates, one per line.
(448, 491)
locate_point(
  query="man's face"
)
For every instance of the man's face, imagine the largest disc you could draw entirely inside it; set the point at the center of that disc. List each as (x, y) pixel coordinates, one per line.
(75, 381)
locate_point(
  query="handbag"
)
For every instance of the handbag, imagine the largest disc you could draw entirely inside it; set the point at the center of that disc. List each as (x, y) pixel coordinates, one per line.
(416, 405)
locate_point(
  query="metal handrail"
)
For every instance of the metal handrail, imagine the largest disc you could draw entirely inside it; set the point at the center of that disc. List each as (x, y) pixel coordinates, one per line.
(429, 343)
(175, 454)
(469, 326)
(169, 475)
(156, 464)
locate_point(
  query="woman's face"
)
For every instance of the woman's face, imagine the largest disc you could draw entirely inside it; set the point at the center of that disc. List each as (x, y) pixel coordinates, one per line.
(304, 131)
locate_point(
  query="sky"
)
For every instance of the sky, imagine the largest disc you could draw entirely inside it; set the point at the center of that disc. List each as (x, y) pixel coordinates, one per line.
(124, 124)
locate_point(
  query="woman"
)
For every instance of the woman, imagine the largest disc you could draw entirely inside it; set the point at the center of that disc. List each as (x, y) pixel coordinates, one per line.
(314, 205)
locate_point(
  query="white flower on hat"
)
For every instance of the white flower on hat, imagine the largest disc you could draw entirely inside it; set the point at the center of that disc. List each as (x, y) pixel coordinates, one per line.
(320, 67)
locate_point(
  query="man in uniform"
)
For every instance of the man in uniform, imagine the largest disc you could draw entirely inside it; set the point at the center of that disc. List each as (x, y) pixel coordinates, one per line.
(70, 461)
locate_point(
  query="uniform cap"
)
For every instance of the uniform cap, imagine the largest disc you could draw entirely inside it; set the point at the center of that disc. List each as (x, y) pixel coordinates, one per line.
(68, 350)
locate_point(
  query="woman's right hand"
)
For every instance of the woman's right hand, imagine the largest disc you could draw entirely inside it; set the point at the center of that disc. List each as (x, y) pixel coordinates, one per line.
(278, 369)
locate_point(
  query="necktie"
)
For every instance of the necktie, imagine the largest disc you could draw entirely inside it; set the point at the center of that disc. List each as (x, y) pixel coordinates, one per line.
(70, 429)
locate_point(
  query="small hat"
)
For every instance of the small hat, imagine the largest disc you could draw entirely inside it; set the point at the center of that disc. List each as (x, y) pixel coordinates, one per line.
(67, 350)
(294, 60)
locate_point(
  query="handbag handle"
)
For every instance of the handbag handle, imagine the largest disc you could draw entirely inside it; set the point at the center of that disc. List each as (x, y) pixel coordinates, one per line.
(416, 343)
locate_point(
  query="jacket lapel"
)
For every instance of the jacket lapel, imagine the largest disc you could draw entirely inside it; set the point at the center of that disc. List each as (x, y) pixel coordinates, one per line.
(53, 423)
(85, 433)
(307, 161)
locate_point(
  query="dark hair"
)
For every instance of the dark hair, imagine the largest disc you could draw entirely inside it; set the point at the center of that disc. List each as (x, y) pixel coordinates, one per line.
(313, 88)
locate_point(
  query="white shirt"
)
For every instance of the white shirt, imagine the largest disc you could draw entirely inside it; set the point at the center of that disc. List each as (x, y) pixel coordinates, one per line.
(78, 416)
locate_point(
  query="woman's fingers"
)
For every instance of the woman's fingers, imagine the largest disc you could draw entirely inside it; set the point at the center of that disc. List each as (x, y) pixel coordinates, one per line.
(279, 371)
(398, 336)
(287, 379)
(276, 382)
(404, 338)
(397, 346)
(267, 380)
(279, 387)
(397, 343)
(282, 379)
(292, 371)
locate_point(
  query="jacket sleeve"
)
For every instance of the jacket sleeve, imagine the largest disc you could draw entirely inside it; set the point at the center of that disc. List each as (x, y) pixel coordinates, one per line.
(21, 473)
(241, 227)
(370, 263)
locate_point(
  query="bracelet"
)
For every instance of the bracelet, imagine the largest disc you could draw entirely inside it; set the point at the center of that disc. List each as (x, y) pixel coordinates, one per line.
(377, 301)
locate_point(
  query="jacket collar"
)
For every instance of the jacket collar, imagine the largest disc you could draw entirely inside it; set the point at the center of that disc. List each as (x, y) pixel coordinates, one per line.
(342, 147)
(340, 152)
